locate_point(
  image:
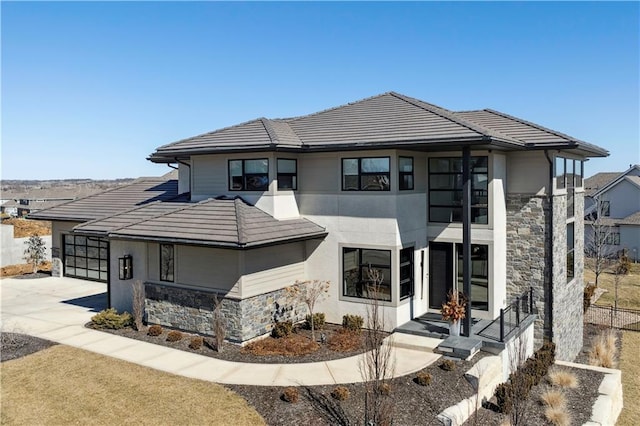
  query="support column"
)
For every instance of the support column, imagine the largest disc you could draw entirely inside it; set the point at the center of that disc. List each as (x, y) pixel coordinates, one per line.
(466, 235)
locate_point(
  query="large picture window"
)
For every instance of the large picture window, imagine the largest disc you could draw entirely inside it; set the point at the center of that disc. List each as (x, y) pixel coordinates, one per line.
(287, 173)
(479, 275)
(445, 190)
(406, 272)
(356, 264)
(365, 174)
(86, 257)
(166, 262)
(249, 175)
(405, 173)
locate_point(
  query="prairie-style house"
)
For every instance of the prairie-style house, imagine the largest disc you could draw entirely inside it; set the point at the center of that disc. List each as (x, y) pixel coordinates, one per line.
(388, 182)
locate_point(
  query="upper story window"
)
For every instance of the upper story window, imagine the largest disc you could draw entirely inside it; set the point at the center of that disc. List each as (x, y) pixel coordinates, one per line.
(605, 208)
(166, 262)
(445, 189)
(365, 174)
(405, 173)
(569, 173)
(249, 175)
(287, 173)
(356, 263)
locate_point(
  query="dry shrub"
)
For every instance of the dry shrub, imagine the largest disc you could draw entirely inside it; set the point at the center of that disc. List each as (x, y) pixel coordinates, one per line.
(293, 345)
(554, 398)
(155, 330)
(282, 329)
(291, 395)
(345, 340)
(196, 343)
(448, 365)
(558, 416)
(603, 350)
(340, 393)
(563, 378)
(174, 336)
(423, 378)
(385, 389)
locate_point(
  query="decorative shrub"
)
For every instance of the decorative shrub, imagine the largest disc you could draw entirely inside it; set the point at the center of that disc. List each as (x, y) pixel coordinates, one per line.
(345, 340)
(291, 395)
(558, 416)
(503, 397)
(318, 321)
(352, 322)
(340, 393)
(563, 379)
(423, 378)
(174, 336)
(448, 365)
(111, 319)
(589, 291)
(603, 350)
(196, 343)
(554, 398)
(282, 329)
(155, 330)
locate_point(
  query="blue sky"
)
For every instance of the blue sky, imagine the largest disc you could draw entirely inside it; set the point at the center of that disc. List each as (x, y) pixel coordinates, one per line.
(91, 89)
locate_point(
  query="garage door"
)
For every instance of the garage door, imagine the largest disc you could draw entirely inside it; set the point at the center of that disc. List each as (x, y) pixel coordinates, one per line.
(86, 257)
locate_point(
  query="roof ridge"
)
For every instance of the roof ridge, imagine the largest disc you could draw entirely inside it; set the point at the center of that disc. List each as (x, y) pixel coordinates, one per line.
(535, 126)
(298, 117)
(240, 221)
(269, 129)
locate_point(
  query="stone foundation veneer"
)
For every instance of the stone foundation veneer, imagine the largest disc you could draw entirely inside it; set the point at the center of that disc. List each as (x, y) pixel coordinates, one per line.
(192, 310)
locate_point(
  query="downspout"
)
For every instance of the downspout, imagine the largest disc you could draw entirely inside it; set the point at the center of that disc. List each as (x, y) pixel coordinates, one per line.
(550, 192)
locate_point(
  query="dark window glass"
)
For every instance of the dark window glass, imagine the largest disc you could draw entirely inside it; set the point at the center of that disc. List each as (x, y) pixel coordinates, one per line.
(83, 257)
(605, 208)
(570, 252)
(365, 174)
(249, 175)
(405, 173)
(166, 262)
(406, 273)
(560, 173)
(445, 190)
(356, 265)
(287, 174)
(479, 274)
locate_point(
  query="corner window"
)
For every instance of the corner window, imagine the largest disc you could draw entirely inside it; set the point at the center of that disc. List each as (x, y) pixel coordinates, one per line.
(166, 262)
(405, 173)
(356, 263)
(249, 175)
(445, 190)
(287, 174)
(570, 252)
(406, 272)
(568, 173)
(365, 174)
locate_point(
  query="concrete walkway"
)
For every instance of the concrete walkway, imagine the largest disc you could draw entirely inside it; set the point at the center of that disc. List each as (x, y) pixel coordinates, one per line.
(56, 309)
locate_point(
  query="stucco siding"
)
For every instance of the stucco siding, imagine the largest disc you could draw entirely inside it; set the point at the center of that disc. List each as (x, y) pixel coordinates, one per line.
(58, 228)
(209, 176)
(272, 268)
(527, 172)
(208, 268)
(121, 290)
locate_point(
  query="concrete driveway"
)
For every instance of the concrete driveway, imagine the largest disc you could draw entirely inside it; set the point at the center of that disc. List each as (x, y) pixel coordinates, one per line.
(56, 309)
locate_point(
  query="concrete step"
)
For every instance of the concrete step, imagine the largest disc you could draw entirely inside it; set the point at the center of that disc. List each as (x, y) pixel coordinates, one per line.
(413, 342)
(459, 347)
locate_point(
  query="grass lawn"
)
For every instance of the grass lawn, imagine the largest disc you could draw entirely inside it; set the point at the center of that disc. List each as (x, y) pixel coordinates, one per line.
(628, 287)
(64, 385)
(630, 379)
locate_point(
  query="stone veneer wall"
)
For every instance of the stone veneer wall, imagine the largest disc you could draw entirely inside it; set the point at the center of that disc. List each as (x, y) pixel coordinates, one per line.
(527, 251)
(192, 310)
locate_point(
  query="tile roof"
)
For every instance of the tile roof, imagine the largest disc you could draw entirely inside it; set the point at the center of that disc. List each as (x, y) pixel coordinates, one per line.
(632, 219)
(386, 120)
(598, 181)
(111, 201)
(215, 222)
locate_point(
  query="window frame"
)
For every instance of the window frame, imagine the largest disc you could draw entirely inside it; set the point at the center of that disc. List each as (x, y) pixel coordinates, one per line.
(293, 175)
(361, 174)
(410, 281)
(245, 175)
(458, 252)
(403, 174)
(605, 208)
(361, 267)
(165, 275)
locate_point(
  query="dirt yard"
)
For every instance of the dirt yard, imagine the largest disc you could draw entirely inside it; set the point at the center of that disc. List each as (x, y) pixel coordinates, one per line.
(27, 228)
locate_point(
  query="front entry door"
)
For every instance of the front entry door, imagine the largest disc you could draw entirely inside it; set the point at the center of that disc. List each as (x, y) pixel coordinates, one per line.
(440, 273)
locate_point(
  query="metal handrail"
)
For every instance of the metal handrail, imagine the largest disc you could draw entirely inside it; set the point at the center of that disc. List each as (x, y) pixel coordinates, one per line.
(522, 303)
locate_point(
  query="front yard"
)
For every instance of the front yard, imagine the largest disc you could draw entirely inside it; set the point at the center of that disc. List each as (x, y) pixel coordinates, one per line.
(628, 286)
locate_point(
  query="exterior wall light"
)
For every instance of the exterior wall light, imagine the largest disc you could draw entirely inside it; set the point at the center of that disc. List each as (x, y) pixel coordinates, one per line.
(126, 267)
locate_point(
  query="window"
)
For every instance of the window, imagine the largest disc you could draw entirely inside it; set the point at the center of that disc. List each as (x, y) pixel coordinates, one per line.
(568, 173)
(406, 272)
(356, 263)
(605, 208)
(166, 262)
(365, 174)
(405, 173)
(479, 275)
(445, 190)
(570, 252)
(249, 175)
(611, 238)
(86, 257)
(287, 174)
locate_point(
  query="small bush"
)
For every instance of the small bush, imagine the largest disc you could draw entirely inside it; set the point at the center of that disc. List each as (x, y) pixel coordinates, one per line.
(155, 330)
(291, 395)
(448, 365)
(282, 329)
(557, 416)
(589, 291)
(344, 341)
(111, 319)
(174, 336)
(294, 345)
(340, 393)
(423, 378)
(318, 321)
(503, 397)
(352, 322)
(554, 398)
(563, 379)
(196, 343)
(385, 389)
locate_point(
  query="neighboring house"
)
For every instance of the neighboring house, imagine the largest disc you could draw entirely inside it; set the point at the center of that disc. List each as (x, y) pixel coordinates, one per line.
(616, 198)
(375, 183)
